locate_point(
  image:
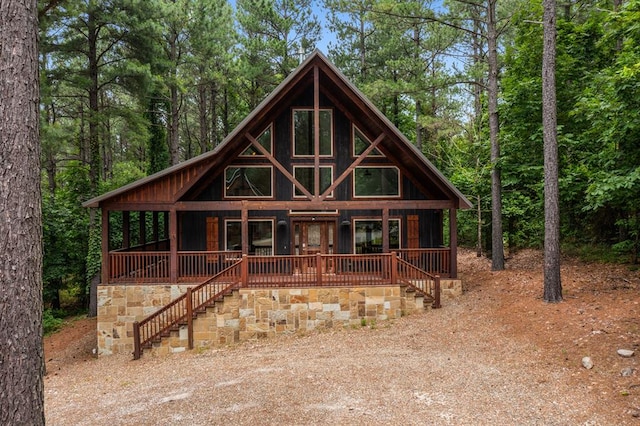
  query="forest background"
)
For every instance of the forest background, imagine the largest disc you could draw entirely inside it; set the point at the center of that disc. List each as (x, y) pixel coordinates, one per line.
(129, 87)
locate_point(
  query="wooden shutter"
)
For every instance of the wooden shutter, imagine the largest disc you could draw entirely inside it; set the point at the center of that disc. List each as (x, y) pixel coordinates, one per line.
(413, 232)
(212, 234)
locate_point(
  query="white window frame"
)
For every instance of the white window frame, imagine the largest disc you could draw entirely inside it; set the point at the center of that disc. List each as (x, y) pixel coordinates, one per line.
(259, 154)
(311, 166)
(248, 166)
(226, 232)
(355, 129)
(376, 196)
(293, 133)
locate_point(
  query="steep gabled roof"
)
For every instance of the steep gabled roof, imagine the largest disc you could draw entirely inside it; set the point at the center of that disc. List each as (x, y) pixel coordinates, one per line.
(167, 185)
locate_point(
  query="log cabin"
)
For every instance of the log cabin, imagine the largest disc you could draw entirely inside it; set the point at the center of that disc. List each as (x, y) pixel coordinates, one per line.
(314, 211)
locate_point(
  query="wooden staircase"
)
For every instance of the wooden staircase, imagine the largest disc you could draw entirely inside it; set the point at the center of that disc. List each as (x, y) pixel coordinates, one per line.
(183, 310)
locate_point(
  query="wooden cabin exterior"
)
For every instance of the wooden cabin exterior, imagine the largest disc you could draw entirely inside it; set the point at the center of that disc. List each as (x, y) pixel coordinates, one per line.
(315, 174)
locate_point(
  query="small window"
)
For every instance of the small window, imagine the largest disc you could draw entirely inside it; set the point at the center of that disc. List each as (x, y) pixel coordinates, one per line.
(361, 142)
(264, 139)
(305, 175)
(248, 181)
(303, 133)
(376, 182)
(260, 236)
(367, 235)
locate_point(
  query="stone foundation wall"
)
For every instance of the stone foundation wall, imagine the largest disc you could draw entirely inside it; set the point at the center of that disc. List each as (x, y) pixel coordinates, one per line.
(250, 314)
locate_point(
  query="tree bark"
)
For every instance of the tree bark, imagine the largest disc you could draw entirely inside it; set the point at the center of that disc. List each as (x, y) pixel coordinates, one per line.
(552, 282)
(497, 246)
(21, 356)
(175, 110)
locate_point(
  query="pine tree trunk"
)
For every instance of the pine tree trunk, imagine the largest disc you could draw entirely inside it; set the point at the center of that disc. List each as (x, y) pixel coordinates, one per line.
(497, 246)
(552, 283)
(21, 353)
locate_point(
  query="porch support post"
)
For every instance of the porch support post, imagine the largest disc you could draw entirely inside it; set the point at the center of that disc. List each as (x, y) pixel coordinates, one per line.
(105, 247)
(189, 302)
(385, 230)
(244, 224)
(142, 226)
(173, 245)
(318, 269)
(156, 232)
(126, 229)
(166, 225)
(394, 268)
(453, 242)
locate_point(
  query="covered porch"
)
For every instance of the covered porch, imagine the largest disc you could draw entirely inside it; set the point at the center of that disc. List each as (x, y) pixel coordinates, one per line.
(147, 247)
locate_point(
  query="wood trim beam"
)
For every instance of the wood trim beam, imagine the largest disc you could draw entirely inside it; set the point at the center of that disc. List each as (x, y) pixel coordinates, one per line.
(453, 242)
(316, 131)
(173, 245)
(278, 165)
(351, 167)
(312, 205)
(244, 225)
(385, 230)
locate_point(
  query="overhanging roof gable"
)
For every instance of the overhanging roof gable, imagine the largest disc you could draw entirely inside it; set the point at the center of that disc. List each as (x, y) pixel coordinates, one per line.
(166, 185)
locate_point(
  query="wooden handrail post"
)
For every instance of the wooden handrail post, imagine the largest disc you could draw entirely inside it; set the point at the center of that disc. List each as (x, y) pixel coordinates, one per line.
(244, 271)
(394, 268)
(189, 301)
(436, 291)
(319, 269)
(137, 350)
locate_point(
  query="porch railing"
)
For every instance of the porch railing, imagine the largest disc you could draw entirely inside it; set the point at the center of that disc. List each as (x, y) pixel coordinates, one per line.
(432, 260)
(196, 266)
(282, 271)
(183, 309)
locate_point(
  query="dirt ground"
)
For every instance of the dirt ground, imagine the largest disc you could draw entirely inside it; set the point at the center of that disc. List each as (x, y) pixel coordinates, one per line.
(503, 310)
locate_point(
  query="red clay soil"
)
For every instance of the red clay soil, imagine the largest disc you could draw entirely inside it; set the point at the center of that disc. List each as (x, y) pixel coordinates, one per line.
(599, 315)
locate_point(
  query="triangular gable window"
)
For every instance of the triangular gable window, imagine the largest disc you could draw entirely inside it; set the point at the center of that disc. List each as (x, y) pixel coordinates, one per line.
(360, 143)
(264, 139)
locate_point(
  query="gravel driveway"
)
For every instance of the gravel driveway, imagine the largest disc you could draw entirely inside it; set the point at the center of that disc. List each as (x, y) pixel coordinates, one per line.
(452, 366)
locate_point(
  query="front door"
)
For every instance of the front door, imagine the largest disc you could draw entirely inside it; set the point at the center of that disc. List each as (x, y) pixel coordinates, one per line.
(311, 237)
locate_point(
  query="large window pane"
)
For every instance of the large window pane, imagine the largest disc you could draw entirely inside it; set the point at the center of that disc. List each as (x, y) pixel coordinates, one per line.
(260, 236)
(248, 182)
(303, 133)
(368, 235)
(305, 175)
(377, 182)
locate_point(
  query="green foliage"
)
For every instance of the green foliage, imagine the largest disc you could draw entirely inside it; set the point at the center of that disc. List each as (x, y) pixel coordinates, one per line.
(50, 322)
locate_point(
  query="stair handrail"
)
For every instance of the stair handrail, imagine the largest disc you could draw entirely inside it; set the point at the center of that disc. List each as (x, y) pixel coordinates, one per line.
(419, 280)
(177, 311)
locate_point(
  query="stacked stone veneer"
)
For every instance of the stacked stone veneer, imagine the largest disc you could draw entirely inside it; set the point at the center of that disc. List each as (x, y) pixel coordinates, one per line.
(249, 314)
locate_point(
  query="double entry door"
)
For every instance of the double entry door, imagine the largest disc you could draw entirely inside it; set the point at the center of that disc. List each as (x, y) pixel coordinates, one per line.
(311, 237)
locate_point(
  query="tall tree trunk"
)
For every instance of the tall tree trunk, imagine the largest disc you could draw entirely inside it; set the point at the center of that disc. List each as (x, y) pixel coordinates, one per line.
(202, 117)
(552, 282)
(94, 140)
(497, 246)
(174, 114)
(21, 356)
(213, 115)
